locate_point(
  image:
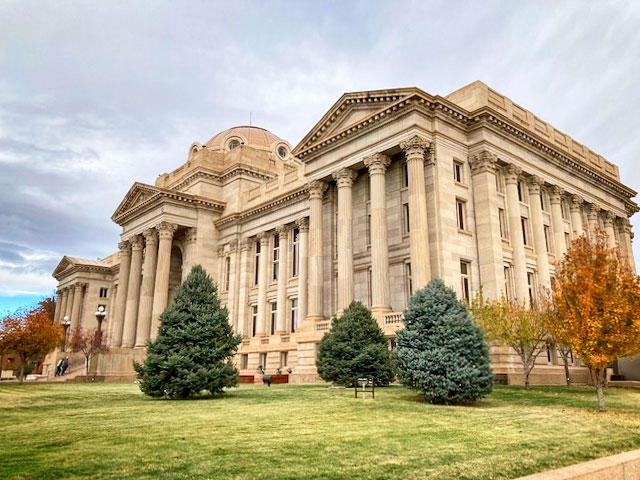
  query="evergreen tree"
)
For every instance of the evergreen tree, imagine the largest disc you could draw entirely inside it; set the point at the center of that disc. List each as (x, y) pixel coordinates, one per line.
(354, 347)
(195, 344)
(441, 352)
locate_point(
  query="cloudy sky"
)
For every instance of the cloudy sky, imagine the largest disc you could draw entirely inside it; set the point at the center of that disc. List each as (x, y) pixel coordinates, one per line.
(97, 95)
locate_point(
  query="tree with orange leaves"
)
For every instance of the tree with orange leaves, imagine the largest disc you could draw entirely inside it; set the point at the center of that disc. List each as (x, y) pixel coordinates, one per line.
(597, 305)
(90, 343)
(29, 334)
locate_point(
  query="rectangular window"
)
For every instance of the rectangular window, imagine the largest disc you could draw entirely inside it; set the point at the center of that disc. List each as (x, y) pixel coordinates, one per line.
(368, 228)
(294, 315)
(502, 217)
(461, 214)
(457, 172)
(369, 293)
(565, 209)
(405, 219)
(256, 267)
(499, 182)
(284, 357)
(227, 273)
(104, 292)
(263, 361)
(408, 284)
(531, 286)
(273, 317)
(295, 248)
(520, 191)
(465, 275)
(543, 203)
(547, 237)
(276, 257)
(525, 230)
(567, 240)
(254, 319)
(507, 282)
(244, 361)
(405, 174)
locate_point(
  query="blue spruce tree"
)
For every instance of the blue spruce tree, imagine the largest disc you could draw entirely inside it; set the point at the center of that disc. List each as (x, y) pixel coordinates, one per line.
(441, 352)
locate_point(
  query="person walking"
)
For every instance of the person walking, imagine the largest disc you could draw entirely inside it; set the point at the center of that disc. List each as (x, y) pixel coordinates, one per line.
(59, 368)
(64, 365)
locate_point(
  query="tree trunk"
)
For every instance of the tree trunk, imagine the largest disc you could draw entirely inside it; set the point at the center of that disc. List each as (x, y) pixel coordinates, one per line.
(567, 376)
(21, 372)
(86, 369)
(527, 371)
(600, 375)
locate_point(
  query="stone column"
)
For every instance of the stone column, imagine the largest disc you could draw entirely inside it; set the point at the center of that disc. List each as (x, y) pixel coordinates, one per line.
(263, 282)
(56, 314)
(148, 283)
(555, 198)
(133, 293)
(78, 291)
(111, 306)
(232, 294)
(220, 268)
(163, 269)
(316, 190)
(592, 217)
(121, 299)
(485, 199)
(303, 248)
(576, 216)
(626, 236)
(344, 181)
(608, 228)
(377, 165)
(71, 291)
(63, 306)
(414, 151)
(281, 321)
(189, 248)
(542, 258)
(515, 234)
(245, 246)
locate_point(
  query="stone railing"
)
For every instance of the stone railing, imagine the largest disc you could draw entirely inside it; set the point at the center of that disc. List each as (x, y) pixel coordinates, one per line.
(393, 318)
(323, 326)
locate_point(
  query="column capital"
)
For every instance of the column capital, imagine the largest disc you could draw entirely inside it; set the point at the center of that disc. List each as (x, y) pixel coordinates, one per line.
(555, 195)
(377, 164)
(608, 218)
(512, 174)
(263, 238)
(221, 251)
(59, 291)
(316, 189)
(166, 229)
(592, 212)
(136, 243)
(150, 236)
(484, 161)
(233, 245)
(245, 244)
(79, 286)
(303, 224)
(534, 182)
(124, 247)
(415, 148)
(344, 177)
(190, 235)
(576, 203)
(283, 230)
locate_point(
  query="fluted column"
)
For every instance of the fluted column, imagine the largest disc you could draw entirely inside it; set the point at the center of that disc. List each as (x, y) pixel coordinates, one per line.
(63, 306)
(555, 198)
(56, 313)
(232, 294)
(78, 291)
(111, 308)
(626, 236)
(133, 293)
(189, 247)
(576, 215)
(70, 294)
(485, 199)
(592, 217)
(542, 258)
(512, 174)
(377, 165)
(414, 151)
(316, 190)
(608, 228)
(245, 246)
(148, 284)
(281, 321)
(121, 299)
(263, 281)
(163, 269)
(344, 180)
(303, 271)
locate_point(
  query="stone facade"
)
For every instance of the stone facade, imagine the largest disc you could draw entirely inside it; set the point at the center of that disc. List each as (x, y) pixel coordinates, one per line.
(390, 189)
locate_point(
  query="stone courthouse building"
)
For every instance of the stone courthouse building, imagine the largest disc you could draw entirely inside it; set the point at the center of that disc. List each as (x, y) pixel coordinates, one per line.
(390, 189)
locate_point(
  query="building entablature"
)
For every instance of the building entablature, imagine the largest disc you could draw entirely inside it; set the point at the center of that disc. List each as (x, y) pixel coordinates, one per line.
(69, 266)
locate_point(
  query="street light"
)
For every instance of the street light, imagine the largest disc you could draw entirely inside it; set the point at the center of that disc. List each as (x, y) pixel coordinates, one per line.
(65, 325)
(100, 314)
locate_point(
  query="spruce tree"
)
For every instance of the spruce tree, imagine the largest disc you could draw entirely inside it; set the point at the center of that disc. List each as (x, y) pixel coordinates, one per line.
(354, 347)
(441, 352)
(195, 344)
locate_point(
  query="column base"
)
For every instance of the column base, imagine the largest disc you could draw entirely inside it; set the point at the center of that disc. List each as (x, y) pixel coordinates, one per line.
(380, 309)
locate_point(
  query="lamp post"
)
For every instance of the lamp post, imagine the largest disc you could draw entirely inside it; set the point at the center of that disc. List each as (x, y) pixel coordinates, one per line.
(100, 314)
(65, 325)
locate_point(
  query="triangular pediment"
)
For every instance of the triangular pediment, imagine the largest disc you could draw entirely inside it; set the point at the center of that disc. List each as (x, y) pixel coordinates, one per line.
(137, 194)
(350, 109)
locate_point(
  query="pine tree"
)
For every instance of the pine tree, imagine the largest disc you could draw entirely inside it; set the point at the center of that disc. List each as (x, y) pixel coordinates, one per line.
(441, 352)
(195, 344)
(354, 347)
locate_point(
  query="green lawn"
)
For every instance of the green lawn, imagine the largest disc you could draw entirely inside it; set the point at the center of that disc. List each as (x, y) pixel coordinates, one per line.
(112, 431)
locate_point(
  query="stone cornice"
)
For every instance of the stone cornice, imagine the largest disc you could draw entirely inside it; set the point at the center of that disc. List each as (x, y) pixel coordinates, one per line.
(233, 171)
(293, 196)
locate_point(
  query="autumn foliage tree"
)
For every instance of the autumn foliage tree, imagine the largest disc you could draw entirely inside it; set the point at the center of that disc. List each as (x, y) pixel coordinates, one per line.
(521, 327)
(597, 305)
(28, 334)
(90, 343)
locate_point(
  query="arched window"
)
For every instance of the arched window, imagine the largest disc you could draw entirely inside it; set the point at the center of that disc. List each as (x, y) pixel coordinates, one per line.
(233, 143)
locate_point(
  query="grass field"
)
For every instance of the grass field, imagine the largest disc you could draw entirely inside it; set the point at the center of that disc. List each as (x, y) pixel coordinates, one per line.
(112, 431)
